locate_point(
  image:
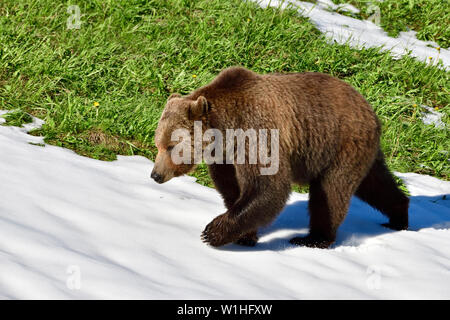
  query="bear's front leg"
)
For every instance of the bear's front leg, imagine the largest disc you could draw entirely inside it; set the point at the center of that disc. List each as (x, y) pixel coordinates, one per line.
(224, 177)
(259, 203)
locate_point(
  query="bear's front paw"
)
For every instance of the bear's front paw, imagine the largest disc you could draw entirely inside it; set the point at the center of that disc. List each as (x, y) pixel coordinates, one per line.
(220, 231)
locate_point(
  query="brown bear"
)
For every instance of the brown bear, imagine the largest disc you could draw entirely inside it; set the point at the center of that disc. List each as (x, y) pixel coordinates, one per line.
(329, 138)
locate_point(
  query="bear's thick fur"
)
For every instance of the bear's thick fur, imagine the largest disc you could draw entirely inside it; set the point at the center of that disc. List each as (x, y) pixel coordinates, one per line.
(329, 138)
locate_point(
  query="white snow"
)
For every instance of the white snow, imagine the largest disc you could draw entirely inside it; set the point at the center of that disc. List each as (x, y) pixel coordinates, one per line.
(433, 117)
(362, 33)
(75, 227)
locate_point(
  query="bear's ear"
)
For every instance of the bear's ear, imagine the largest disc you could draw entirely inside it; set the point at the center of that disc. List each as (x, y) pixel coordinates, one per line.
(174, 95)
(199, 108)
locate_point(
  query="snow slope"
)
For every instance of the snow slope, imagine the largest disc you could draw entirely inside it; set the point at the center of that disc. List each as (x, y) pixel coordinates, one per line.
(361, 33)
(74, 227)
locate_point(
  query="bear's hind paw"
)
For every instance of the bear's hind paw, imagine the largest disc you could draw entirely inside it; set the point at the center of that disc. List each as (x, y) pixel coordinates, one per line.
(395, 226)
(311, 242)
(249, 239)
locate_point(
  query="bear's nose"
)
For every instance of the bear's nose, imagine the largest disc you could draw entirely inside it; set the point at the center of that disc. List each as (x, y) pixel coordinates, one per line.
(157, 177)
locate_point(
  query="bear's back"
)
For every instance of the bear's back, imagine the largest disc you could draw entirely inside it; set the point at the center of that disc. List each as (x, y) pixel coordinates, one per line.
(294, 99)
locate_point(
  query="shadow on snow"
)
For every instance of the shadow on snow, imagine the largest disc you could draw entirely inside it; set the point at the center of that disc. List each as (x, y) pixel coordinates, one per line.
(362, 222)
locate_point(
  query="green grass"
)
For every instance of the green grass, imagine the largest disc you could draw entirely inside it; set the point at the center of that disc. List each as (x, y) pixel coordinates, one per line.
(430, 18)
(17, 118)
(129, 55)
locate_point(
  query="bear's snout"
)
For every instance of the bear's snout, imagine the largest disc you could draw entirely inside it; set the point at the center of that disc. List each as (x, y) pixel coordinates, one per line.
(157, 177)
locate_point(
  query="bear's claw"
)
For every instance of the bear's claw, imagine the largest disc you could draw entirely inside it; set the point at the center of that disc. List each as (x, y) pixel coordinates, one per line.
(220, 231)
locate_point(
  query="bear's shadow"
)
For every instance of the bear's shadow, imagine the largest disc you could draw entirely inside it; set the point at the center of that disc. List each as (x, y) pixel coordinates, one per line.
(362, 222)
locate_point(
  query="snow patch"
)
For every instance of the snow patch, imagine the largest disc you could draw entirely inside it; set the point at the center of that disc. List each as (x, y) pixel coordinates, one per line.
(419, 184)
(72, 227)
(433, 117)
(362, 33)
(329, 5)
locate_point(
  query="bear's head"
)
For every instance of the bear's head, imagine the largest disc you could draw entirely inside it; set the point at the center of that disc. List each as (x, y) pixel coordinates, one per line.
(179, 114)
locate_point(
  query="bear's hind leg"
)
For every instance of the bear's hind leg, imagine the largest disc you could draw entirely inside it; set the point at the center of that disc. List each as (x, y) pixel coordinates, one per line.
(380, 190)
(327, 206)
(330, 194)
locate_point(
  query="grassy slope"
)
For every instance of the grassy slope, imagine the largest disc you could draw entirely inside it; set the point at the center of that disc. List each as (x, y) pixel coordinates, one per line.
(430, 18)
(129, 55)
